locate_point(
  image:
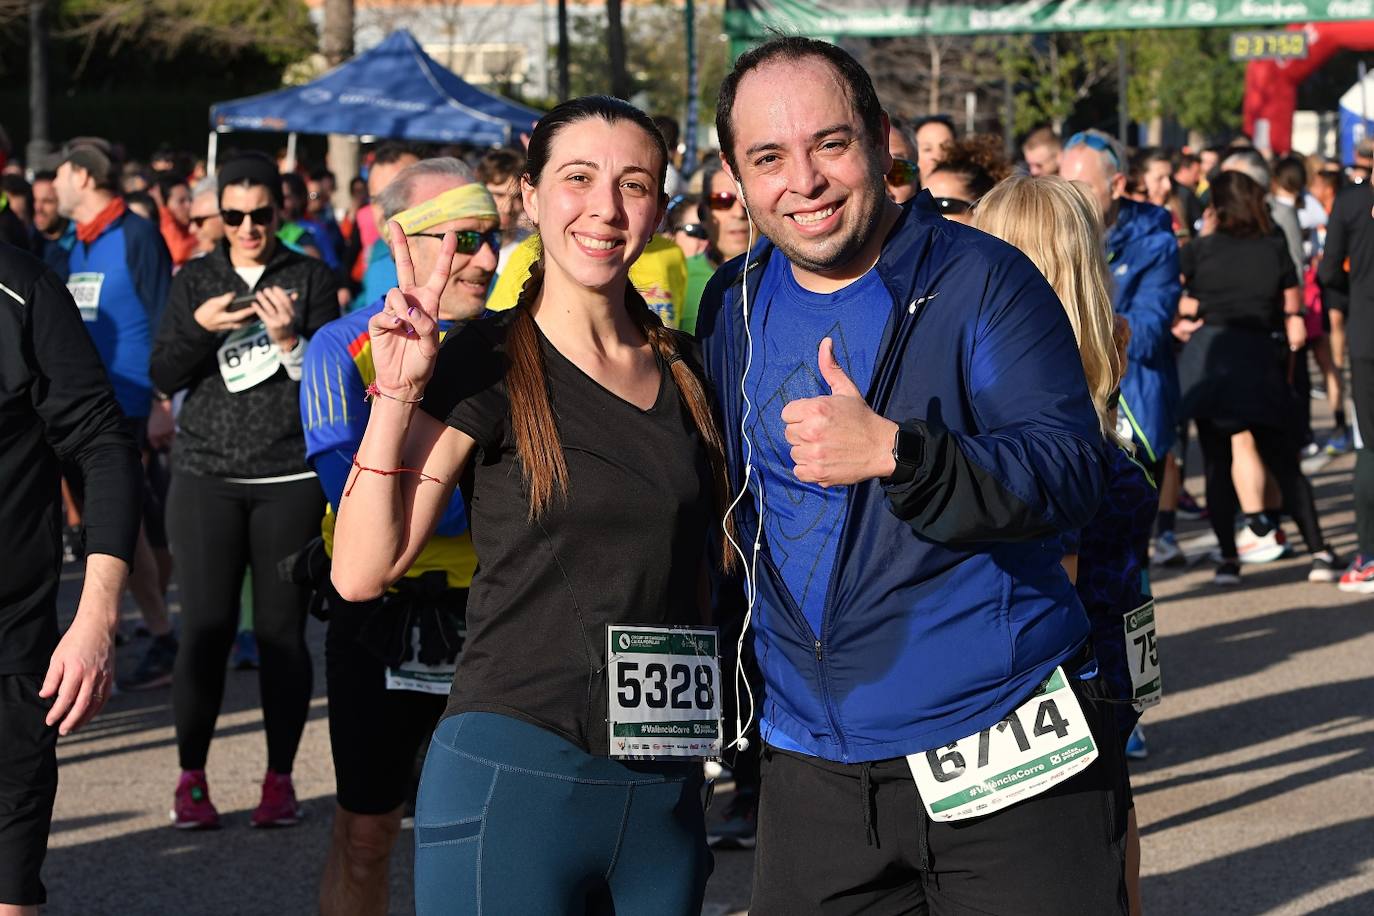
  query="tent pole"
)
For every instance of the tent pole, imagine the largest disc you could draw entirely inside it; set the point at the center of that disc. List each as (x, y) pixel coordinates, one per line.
(212, 152)
(290, 164)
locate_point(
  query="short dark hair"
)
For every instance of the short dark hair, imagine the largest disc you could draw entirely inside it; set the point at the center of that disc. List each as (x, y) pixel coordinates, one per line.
(500, 165)
(165, 181)
(1183, 160)
(321, 173)
(393, 150)
(790, 48)
(1157, 154)
(44, 175)
(1239, 204)
(16, 186)
(1290, 173)
(1332, 179)
(944, 119)
(297, 184)
(250, 169)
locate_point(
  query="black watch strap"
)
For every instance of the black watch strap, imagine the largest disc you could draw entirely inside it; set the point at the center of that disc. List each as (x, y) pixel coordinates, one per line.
(908, 449)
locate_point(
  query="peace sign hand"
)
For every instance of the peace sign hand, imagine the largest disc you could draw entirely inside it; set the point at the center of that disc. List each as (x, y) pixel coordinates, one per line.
(405, 333)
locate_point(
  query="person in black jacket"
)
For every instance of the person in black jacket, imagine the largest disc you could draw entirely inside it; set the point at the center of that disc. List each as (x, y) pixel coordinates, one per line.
(233, 336)
(1349, 235)
(55, 405)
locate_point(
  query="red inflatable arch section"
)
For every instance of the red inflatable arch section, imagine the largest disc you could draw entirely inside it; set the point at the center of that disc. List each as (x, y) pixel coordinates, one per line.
(1271, 87)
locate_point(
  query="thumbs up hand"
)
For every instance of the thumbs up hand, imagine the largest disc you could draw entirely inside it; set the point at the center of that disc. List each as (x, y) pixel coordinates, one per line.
(836, 439)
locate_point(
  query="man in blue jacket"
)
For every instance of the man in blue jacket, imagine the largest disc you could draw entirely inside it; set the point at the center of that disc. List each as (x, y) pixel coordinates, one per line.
(906, 417)
(1143, 254)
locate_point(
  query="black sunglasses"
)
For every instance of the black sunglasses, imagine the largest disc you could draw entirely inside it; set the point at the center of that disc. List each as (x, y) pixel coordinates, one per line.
(262, 216)
(470, 241)
(199, 221)
(693, 230)
(952, 205)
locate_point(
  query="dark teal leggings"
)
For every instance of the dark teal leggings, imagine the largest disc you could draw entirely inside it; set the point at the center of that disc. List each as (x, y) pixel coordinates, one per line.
(513, 819)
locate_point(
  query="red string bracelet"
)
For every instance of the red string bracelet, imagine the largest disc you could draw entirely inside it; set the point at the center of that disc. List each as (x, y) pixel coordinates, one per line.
(374, 392)
(391, 473)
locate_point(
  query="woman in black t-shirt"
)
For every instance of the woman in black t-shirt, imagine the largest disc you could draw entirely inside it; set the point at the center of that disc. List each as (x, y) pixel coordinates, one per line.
(1242, 320)
(597, 474)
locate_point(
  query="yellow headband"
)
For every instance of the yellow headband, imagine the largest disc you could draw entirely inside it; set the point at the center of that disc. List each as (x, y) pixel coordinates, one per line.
(467, 201)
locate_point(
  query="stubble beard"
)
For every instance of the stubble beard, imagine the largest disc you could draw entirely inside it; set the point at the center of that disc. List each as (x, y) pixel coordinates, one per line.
(835, 252)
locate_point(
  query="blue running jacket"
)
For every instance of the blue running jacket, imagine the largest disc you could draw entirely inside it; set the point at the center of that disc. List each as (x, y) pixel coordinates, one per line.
(947, 605)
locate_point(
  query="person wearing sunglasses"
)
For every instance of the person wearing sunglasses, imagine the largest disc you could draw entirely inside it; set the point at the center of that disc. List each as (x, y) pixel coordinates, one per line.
(903, 179)
(721, 213)
(1143, 253)
(205, 219)
(382, 705)
(683, 225)
(233, 337)
(970, 169)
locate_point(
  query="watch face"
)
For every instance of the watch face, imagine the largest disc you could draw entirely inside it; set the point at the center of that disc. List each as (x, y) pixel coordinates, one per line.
(908, 447)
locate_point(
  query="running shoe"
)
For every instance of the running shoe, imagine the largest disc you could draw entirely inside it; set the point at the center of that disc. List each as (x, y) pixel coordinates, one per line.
(155, 670)
(1256, 548)
(739, 828)
(1190, 508)
(1340, 443)
(1167, 552)
(191, 806)
(1227, 574)
(1135, 745)
(278, 807)
(245, 655)
(1326, 567)
(1360, 576)
(1310, 450)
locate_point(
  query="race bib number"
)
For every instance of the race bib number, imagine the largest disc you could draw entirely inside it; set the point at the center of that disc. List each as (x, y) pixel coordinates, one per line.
(85, 289)
(1043, 741)
(248, 357)
(664, 700)
(1142, 652)
(420, 678)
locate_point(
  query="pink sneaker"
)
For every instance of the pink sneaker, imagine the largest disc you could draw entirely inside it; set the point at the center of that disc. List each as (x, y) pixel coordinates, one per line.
(278, 807)
(191, 808)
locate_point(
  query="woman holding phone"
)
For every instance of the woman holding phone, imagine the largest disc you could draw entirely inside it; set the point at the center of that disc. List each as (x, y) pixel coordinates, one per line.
(598, 474)
(233, 336)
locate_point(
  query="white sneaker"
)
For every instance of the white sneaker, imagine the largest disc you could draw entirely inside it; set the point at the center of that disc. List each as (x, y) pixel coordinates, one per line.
(1253, 548)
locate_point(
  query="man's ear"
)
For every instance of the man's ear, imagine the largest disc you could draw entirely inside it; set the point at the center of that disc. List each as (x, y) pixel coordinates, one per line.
(1118, 186)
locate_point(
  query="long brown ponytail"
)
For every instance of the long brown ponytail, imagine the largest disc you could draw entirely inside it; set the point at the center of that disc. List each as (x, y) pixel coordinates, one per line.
(537, 441)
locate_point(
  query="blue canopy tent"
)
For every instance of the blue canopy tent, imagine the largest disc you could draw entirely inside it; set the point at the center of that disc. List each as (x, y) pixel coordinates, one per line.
(395, 90)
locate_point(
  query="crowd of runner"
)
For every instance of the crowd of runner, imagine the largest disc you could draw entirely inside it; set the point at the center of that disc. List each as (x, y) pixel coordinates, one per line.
(841, 459)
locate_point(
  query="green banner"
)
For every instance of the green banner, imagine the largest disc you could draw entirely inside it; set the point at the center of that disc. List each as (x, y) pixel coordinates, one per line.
(752, 20)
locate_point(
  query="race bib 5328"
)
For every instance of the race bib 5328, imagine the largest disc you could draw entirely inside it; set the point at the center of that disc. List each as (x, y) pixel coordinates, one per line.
(1043, 741)
(664, 697)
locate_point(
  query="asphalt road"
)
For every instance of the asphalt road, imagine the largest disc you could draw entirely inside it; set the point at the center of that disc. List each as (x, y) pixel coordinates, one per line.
(1258, 796)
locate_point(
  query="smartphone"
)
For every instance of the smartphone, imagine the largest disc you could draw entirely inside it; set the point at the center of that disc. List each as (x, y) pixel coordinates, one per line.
(243, 301)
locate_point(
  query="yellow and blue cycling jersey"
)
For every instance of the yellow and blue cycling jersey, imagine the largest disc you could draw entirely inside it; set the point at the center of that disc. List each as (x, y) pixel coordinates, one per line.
(338, 368)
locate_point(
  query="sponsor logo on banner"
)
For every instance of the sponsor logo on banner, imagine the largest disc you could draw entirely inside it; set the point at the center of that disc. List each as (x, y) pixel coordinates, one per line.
(1202, 12)
(1364, 8)
(1272, 9)
(316, 96)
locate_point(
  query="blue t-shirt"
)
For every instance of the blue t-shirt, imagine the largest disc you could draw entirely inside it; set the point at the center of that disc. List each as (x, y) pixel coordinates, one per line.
(802, 521)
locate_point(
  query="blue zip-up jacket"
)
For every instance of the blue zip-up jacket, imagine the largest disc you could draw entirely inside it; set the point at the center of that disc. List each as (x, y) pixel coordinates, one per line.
(947, 605)
(1144, 263)
(136, 274)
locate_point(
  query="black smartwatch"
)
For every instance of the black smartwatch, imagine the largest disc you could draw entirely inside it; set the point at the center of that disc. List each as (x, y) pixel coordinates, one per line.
(908, 449)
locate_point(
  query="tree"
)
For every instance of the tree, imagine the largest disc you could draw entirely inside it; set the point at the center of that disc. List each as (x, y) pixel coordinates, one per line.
(615, 48)
(1053, 73)
(1186, 75)
(655, 60)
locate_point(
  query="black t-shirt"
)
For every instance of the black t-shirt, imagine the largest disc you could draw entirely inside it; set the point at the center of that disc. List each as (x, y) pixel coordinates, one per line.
(625, 547)
(1238, 283)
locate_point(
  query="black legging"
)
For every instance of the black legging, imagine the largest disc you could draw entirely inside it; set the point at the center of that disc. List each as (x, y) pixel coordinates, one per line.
(1280, 458)
(216, 529)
